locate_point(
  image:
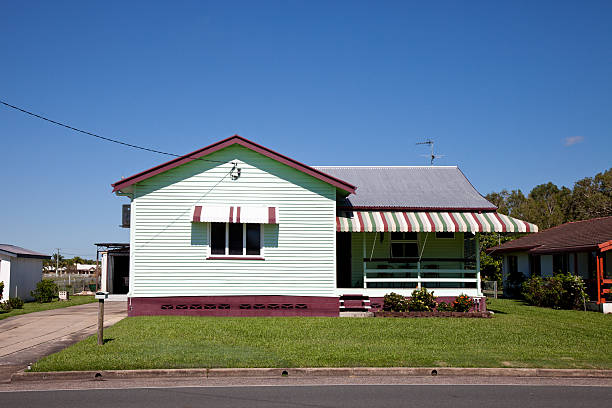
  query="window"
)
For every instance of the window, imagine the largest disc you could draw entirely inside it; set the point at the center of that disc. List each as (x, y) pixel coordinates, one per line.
(512, 265)
(535, 265)
(234, 239)
(560, 263)
(404, 245)
(445, 235)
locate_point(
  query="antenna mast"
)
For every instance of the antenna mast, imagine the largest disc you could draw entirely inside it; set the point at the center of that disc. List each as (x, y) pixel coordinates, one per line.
(432, 156)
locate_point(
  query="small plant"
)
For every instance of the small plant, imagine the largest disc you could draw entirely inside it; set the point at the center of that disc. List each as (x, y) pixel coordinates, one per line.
(1, 288)
(422, 301)
(46, 291)
(394, 302)
(5, 306)
(15, 303)
(462, 303)
(445, 307)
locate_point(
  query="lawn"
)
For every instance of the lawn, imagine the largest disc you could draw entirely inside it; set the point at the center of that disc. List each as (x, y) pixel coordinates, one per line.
(518, 336)
(31, 307)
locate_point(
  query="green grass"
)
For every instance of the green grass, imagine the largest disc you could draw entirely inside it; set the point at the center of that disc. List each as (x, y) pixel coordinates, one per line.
(31, 307)
(518, 336)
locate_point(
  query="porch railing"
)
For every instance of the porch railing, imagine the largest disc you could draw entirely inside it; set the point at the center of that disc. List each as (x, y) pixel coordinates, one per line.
(424, 272)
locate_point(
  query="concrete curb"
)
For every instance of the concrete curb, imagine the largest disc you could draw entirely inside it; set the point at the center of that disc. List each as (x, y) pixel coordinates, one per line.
(309, 372)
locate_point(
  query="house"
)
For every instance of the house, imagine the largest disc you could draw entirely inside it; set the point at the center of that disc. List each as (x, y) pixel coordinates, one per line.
(236, 228)
(20, 270)
(85, 269)
(580, 248)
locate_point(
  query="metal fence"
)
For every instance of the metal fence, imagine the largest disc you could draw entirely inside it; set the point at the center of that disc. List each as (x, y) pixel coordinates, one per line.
(491, 289)
(72, 283)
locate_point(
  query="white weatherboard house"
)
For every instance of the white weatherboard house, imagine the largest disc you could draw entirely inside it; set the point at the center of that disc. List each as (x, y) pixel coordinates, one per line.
(20, 270)
(238, 229)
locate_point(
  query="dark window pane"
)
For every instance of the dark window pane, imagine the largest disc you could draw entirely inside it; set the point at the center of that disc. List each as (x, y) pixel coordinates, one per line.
(403, 236)
(235, 239)
(445, 235)
(217, 238)
(411, 250)
(253, 239)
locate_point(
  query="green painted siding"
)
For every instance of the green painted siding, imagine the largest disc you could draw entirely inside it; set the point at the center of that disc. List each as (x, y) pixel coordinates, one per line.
(375, 248)
(169, 252)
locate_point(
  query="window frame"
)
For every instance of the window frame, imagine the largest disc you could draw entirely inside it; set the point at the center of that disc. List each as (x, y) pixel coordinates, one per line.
(403, 241)
(227, 255)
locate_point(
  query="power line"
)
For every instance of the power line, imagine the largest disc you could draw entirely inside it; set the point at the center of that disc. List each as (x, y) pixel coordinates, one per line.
(99, 136)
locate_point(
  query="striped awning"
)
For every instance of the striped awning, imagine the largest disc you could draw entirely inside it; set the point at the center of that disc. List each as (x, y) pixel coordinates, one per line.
(235, 214)
(399, 221)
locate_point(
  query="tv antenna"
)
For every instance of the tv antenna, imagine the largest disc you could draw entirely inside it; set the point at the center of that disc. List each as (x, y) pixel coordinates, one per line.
(432, 156)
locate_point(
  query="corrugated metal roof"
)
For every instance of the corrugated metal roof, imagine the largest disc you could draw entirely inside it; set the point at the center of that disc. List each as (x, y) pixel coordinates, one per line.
(409, 187)
(580, 235)
(22, 252)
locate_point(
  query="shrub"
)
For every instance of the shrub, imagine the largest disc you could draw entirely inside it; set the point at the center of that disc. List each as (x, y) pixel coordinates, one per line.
(16, 303)
(562, 291)
(394, 302)
(1, 288)
(445, 307)
(46, 291)
(5, 306)
(462, 303)
(422, 301)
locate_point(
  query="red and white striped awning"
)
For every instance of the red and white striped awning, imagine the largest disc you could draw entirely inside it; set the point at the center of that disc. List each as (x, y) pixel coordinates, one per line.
(399, 221)
(235, 214)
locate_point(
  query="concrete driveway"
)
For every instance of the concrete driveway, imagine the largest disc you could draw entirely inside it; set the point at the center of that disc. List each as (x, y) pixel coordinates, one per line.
(25, 339)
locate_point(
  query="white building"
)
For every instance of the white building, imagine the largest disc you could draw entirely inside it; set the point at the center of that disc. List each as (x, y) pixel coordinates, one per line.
(20, 270)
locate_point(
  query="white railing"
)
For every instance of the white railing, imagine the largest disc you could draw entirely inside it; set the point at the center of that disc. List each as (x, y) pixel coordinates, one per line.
(387, 273)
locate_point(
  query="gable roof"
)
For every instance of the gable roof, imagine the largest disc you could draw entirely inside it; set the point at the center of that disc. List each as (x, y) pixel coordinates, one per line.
(409, 188)
(588, 235)
(20, 252)
(233, 140)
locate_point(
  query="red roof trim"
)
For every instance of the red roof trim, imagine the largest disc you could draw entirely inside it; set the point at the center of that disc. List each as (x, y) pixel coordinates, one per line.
(605, 246)
(128, 181)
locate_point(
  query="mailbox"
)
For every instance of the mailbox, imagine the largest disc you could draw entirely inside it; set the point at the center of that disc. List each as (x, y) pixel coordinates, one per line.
(102, 295)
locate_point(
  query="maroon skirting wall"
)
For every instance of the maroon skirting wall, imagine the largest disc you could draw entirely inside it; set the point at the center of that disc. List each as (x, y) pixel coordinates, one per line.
(234, 306)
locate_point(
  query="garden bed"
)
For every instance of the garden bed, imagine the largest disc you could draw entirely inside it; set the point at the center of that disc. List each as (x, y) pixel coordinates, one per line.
(435, 313)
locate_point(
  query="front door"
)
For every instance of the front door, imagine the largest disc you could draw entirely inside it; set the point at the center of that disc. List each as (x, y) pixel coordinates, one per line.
(343, 259)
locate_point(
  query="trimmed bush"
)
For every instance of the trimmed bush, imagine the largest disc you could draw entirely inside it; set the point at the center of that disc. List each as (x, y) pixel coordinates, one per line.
(394, 302)
(5, 306)
(445, 307)
(16, 303)
(422, 301)
(46, 291)
(562, 291)
(462, 303)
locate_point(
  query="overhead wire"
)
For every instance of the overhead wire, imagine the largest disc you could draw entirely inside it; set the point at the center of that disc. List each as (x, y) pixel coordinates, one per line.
(108, 139)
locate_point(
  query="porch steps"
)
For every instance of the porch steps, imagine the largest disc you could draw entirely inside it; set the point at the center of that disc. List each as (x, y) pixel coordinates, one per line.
(354, 303)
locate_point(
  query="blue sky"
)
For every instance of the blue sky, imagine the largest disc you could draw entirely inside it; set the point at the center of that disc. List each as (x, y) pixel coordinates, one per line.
(515, 93)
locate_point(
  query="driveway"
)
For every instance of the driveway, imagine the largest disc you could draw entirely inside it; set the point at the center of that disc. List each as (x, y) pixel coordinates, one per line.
(26, 338)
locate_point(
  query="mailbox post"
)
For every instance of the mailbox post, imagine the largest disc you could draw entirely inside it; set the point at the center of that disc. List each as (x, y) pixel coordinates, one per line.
(101, 296)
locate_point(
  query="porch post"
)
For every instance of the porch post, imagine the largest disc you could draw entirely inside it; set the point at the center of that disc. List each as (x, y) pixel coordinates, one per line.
(478, 284)
(599, 277)
(363, 240)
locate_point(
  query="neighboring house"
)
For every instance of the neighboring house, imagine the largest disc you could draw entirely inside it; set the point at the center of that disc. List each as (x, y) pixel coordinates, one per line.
(51, 269)
(20, 270)
(238, 229)
(85, 268)
(580, 248)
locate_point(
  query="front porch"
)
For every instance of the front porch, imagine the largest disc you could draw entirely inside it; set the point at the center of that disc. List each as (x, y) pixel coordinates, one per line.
(378, 263)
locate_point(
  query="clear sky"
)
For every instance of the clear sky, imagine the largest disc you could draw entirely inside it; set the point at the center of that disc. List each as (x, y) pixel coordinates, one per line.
(516, 93)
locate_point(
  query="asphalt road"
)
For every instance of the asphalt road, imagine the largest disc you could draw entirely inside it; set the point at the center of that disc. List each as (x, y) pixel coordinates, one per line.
(353, 396)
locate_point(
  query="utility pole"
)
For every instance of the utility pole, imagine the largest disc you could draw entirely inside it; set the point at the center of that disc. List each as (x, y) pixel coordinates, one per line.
(56, 262)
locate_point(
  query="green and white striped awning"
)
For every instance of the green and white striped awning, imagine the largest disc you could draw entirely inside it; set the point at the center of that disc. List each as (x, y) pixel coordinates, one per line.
(400, 221)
